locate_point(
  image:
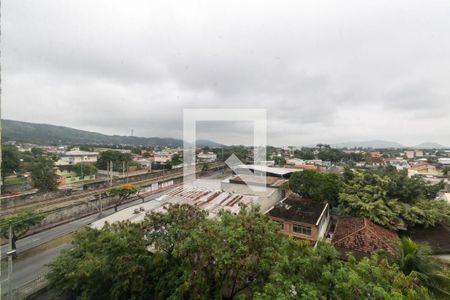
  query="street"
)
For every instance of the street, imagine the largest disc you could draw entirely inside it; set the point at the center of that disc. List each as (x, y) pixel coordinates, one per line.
(28, 268)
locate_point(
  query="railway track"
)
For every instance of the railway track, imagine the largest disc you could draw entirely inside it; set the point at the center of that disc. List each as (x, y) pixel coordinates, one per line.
(47, 204)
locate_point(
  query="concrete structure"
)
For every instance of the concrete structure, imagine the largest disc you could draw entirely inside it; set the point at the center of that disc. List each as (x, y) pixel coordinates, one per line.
(446, 197)
(444, 161)
(132, 214)
(409, 154)
(302, 218)
(398, 162)
(418, 153)
(206, 157)
(162, 157)
(210, 199)
(294, 162)
(244, 185)
(424, 169)
(75, 157)
(260, 170)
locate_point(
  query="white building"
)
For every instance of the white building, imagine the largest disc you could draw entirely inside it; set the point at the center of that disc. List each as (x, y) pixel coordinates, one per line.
(410, 154)
(206, 157)
(75, 157)
(162, 157)
(444, 161)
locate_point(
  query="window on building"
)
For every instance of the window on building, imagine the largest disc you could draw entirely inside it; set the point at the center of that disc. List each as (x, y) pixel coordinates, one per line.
(302, 229)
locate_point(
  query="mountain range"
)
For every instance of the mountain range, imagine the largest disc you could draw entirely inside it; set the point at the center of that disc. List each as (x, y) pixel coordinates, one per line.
(381, 144)
(35, 133)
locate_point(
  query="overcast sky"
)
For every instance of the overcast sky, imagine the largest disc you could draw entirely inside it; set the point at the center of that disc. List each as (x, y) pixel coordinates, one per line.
(326, 71)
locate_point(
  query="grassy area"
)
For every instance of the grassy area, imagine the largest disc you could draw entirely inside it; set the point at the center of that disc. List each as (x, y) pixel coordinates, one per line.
(39, 249)
(14, 181)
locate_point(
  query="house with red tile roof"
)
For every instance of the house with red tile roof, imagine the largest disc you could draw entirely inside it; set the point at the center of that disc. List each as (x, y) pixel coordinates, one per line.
(362, 237)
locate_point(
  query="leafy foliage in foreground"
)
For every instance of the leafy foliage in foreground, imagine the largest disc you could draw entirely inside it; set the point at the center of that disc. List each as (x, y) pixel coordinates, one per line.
(415, 258)
(241, 256)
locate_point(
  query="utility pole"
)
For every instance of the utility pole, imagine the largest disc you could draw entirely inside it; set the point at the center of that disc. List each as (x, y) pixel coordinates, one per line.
(101, 206)
(111, 172)
(123, 169)
(10, 254)
(127, 172)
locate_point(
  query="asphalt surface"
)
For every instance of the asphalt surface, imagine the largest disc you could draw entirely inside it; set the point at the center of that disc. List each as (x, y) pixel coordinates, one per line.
(29, 268)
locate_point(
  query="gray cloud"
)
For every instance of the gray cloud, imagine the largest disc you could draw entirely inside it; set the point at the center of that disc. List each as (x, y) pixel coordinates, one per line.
(325, 71)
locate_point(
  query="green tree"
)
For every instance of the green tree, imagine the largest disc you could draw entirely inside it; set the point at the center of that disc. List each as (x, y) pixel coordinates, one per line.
(319, 273)
(116, 157)
(279, 161)
(43, 175)
(445, 171)
(176, 160)
(415, 258)
(86, 148)
(37, 152)
(305, 153)
(122, 193)
(84, 169)
(20, 224)
(10, 160)
(112, 263)
(369, 195)
(233, 256)
(329, 154)
(316, 186)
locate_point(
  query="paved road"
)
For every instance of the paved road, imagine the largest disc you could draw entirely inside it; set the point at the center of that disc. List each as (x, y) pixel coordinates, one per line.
(27, 269)
(53, 233)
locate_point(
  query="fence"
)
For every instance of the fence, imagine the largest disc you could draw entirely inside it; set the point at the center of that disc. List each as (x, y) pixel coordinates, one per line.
(28, 288)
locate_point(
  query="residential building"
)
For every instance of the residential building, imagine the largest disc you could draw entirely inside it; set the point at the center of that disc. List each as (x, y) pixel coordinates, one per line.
(410, 154)
(294, 162)
(444, 161)
(302, 218)
(206, 157)
(76, 156)
(398, 162)
(418, 153)
(361, 237)
(423, 169)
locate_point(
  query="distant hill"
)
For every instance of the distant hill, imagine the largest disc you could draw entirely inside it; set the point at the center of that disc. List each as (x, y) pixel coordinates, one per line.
(429, 145)
(376, 144)
(51, 134)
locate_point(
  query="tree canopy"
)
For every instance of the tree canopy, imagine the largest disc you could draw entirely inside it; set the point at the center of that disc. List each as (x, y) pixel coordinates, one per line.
(43, 175)
(20, 224)
(392, 200)
(183, 254)
(84, 169)
(122, 193)
(117, 158)
(416, 258)
(316, 186)
(10, 160)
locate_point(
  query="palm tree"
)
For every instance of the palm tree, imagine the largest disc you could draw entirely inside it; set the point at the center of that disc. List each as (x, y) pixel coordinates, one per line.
(416, 258)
